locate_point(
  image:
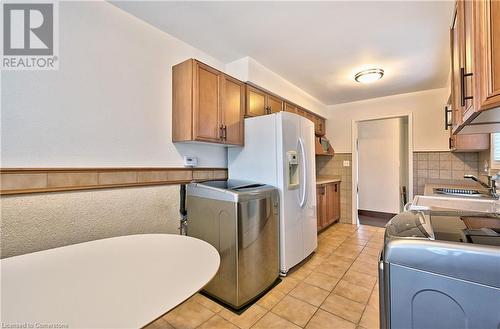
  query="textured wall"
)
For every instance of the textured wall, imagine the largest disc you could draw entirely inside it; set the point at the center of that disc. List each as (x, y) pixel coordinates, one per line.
(443, 168)
(110, 102)
(428, 120)
(333, 166)
(42, 221)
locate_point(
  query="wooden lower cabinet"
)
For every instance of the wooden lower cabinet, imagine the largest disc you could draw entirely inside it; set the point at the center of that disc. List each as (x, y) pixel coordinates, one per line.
(328, 204)
(321, 205)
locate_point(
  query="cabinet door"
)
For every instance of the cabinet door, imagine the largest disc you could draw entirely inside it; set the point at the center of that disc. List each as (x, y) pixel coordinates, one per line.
(470, 143)
(318, 207)
(321, 206)
(456, 69)
(309, 116)
(319, 126)
(233, 102)
(274, 104)
(336, 202)
(467, 16)
(256, 102)
(322, 127)
(487, 56)
(206, 114)
(330, 203)
(290, 108)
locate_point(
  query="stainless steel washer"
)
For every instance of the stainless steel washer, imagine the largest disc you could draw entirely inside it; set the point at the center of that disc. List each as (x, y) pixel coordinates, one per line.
(241, 220)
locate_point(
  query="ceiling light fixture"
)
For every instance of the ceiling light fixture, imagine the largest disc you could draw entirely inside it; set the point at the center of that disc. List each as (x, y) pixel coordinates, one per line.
(368, 76)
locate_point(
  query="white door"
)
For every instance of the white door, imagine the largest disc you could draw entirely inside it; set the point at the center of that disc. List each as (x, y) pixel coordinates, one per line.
(291, 220)
(379, 165)
(309, 221)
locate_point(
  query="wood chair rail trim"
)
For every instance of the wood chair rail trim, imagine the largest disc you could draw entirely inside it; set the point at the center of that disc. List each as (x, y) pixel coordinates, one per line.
(41, 180)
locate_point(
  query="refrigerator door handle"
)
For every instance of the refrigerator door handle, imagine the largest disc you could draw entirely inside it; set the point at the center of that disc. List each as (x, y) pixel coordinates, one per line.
(303, 197)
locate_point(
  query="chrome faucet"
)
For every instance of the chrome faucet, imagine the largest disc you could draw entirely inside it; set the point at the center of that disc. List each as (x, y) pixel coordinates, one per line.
(491, 186)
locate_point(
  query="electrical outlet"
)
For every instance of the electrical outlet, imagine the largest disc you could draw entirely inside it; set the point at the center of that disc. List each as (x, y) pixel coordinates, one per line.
(190, 161)
(347, 163)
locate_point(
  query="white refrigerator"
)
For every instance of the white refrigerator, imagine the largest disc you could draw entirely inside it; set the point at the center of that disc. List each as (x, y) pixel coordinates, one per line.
(279, 151)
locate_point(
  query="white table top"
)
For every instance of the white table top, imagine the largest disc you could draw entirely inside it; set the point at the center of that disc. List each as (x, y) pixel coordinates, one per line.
(122, 282)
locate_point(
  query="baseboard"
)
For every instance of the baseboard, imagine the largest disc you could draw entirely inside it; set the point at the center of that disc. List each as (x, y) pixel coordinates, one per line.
(376, 214)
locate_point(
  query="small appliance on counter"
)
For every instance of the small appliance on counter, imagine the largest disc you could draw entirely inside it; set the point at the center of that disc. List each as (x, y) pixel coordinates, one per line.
(241, 220)
(435, 272)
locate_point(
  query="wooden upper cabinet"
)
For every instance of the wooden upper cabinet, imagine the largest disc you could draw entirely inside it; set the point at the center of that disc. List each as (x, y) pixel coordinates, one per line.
(475, 59)
(207, 105)
(319, 126)
(260, 102)
(467, 52)
(319, 122)
(274, 104)
(256, 102)
(290, 108)
(206, 114)
(469, 143)
(233, 109)
(455, 70)
(309, 116)
(300, 111)
(487, 54)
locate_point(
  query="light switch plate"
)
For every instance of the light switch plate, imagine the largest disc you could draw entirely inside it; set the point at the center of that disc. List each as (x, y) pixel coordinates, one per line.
(347, 163)
(190, 161)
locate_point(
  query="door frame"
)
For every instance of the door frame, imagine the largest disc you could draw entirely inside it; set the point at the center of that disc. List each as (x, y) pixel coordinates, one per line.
(355, 154)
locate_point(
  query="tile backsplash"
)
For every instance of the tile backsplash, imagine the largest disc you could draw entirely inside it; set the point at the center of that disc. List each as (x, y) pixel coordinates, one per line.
(334, 166)
(444, 168)
(428, 167)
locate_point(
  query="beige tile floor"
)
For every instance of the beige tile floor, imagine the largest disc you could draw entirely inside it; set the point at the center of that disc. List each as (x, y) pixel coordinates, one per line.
(335, 288)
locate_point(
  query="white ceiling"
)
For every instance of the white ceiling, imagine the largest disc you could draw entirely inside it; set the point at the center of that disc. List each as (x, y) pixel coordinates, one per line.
(319, 46)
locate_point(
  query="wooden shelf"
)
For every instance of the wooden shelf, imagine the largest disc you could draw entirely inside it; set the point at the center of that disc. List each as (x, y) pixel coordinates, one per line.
(321, 151)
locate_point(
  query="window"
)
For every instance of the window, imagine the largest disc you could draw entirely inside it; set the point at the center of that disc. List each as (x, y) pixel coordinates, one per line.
(495, 151)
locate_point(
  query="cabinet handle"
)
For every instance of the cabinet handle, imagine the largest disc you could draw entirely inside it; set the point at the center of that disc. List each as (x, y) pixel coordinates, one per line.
(221, 132)
(336, 187)
(224, 132)
(447, 109)
(463, 75)
(450, 143)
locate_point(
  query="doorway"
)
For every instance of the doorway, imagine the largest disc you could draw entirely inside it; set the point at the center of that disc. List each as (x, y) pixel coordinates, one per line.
(382, 168)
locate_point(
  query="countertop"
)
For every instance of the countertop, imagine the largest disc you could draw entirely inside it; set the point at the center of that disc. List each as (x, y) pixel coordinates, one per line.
(121, 282)
(327, 179)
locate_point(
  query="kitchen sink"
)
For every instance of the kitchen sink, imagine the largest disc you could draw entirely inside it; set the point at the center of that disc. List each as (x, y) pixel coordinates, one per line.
(460, 192)
(459, 204)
